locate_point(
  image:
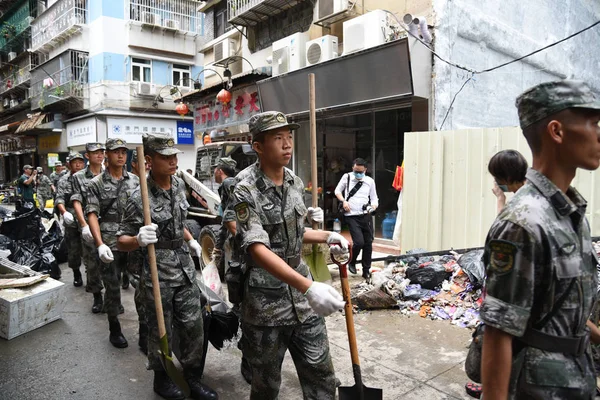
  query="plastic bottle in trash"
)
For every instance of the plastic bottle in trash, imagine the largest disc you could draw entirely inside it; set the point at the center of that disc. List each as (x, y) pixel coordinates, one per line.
(337, 226)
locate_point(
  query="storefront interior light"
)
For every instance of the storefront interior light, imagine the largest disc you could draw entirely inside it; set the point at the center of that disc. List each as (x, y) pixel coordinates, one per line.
(57, 130)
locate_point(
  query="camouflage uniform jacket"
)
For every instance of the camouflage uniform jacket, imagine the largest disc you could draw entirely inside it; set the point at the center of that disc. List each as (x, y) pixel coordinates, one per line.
(273, 216)
(226, 194)
(44, 186)
(81, 181)
(55, 178)
(64, 191)
(536, 246)
(169, 211)
(102, 194)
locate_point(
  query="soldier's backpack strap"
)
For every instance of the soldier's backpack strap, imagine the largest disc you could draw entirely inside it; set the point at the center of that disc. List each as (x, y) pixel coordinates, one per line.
(572, 345)
(103, 212)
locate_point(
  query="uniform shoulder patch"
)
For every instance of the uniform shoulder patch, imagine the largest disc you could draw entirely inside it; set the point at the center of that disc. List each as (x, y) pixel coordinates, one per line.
(502, 255)
(241, 211)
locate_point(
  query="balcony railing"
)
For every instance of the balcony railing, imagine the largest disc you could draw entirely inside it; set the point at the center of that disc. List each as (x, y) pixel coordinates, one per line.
(181, 15)
(16, 76)
(62, 78)
(251, 12)
(58, 22)
(13, 25)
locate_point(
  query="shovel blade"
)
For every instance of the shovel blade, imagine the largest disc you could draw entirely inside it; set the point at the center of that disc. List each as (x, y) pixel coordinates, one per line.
(359, 393)
(172, 371)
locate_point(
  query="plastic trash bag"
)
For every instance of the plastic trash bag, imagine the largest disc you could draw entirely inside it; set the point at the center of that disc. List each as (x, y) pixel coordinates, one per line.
(428, 277)
(415, 292)
(374, 299)
(7, 243)
(26, 226)
(211, 278)
(472, 264)
(27, 253)
(54, 241)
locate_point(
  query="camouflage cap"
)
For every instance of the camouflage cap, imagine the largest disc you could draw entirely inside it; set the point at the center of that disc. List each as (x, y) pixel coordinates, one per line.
(58, 164)
(75, 156)
(162, 144)
(40, 169)
(549, 98)
(225, 162)
(89, 147)
(267, 121)
(134, 156)
(113, 144)
(27, 166)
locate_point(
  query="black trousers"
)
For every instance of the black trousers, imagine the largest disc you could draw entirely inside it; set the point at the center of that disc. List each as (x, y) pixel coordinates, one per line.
(361, 230)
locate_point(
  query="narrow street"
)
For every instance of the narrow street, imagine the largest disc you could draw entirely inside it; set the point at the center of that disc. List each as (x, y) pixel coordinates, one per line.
(410, 358)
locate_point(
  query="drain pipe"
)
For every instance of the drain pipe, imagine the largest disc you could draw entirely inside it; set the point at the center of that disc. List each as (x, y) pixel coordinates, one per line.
(422, 23)
(412, 27)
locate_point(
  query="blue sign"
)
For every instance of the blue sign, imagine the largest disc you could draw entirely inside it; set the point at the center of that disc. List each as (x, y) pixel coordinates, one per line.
(185, 132)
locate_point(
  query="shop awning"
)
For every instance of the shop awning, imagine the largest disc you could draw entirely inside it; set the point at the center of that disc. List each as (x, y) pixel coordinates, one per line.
(31, 123)
(377, 74)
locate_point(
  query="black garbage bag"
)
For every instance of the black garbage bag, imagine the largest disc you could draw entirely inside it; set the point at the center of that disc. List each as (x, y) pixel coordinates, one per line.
(26, 226)
(49, 265)
(5, 213)
(472, 264)
(27, 253)
(54, 241)
(420, 260)
(428, 277)
(7, 243)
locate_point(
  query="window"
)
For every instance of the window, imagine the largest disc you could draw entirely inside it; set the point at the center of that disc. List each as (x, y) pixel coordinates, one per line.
(221, 23)
(141, 70)
(181, 75)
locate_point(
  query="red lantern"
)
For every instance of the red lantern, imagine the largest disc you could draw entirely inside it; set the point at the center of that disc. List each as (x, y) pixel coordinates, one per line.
(182, 109)
(224, 96)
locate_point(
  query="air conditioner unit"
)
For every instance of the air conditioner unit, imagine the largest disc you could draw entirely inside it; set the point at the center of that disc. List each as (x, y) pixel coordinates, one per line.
(289, 53)
(326, 8)
(12, 55)
(14, 103)
(321, 49)
(145, 89)
(171, 24)
(150, 18)
(365, 31)
(224, 49)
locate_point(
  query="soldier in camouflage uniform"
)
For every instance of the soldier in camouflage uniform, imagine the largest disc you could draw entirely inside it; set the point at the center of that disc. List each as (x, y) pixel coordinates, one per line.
(135, 263)
(224, 176)
(64, 205)
(282, 308)
(541, 268)
(56, 175)
(107, 196)
(95, 155)
(176, 271)
(44, 188)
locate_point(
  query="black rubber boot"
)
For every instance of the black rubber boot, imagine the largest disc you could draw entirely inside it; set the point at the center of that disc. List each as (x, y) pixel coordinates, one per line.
(77, 281)
(116, 336)
(199, 391)
(98, 303)
(125, 284)
(246, 370)
(165, 388)
(143, 340)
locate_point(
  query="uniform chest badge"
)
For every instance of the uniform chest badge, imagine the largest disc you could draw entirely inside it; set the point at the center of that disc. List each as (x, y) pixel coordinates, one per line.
(502, 256)
(241, 211)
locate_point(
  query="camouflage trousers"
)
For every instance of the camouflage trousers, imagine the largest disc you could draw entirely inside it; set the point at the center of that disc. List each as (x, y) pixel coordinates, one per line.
(183, 312)
(135, 263)
(112, 282)
(309, 347)
(73, 238)
(92, 267)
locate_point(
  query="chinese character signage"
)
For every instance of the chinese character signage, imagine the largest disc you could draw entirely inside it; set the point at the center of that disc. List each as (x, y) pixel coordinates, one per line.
(48, 143)
(244, 104)
(131, 129)
(185, 132)
(81, 132)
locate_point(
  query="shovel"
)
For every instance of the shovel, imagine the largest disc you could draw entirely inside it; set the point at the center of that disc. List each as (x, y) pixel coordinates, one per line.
(166, 357)
(317, 262)
(358, 391)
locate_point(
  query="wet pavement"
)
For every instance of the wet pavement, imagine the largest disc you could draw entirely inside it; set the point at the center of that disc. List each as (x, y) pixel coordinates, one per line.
(408, 357)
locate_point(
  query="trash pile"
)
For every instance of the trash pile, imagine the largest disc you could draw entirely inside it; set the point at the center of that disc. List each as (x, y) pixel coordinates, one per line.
(27, 242)
(444, 287)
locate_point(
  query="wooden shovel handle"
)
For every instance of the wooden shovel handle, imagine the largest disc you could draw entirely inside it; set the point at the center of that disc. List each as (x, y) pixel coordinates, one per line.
(348, 310)
(151, 253)
(313, 149)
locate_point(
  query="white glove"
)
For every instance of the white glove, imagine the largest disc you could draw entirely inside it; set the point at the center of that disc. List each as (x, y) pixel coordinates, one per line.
(341, 244)
(324, 299)
(86, 234)
(147, 235)
(195, 248)
(68, 219)
(315, 215)
(105, 254)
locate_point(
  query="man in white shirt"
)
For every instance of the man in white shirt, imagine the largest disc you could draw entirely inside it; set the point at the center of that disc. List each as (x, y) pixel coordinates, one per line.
(358, 195)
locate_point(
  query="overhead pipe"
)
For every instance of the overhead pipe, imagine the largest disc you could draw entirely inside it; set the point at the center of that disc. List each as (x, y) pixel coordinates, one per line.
(416, 24)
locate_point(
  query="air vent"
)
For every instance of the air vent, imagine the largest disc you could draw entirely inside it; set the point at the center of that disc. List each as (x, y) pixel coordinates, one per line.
(313, 54)
(280, 56)
(219, 51)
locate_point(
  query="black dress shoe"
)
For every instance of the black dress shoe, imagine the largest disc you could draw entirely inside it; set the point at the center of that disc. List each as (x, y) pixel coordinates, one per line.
(246, 370)
(98, 303)
(125, 284)
(77, 281)
(164, 387)
(352, 268)
(200, 391)
(116, 336)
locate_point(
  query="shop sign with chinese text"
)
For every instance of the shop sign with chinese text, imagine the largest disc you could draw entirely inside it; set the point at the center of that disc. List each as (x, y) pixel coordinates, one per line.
(244, 104)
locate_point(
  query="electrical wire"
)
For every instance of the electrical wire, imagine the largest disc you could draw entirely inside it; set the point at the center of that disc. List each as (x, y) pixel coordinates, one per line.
(454, 98)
